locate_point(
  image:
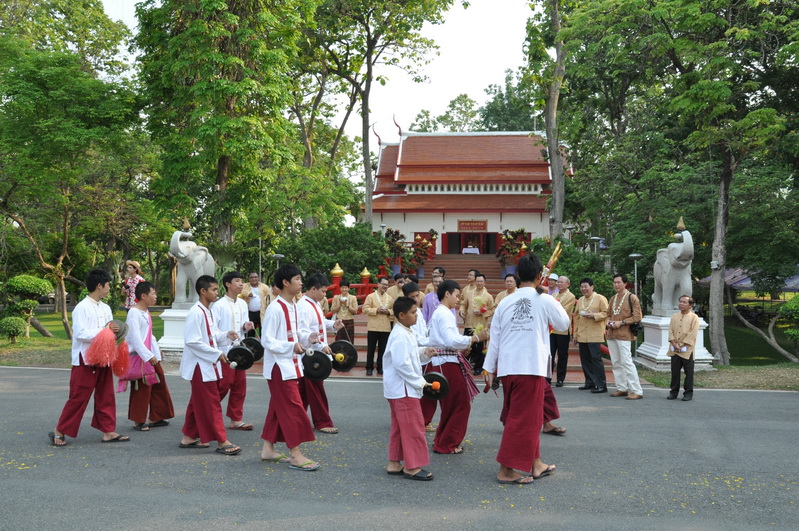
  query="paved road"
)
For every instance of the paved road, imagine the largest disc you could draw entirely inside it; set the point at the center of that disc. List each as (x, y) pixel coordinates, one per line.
(727, 460)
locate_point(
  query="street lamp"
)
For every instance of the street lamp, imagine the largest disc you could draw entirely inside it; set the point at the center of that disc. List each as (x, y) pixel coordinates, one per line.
(635, 257)
(595, 239)
(278, 258)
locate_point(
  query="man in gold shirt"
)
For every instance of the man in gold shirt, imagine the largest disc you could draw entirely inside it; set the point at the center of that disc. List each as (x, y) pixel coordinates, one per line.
(625, 310)
(589, 333)
(559, 339)
(466, 291)
(683, 331)
(511, 283)
(377, 307)
(395, 291)
(344, 307)
(478, 308)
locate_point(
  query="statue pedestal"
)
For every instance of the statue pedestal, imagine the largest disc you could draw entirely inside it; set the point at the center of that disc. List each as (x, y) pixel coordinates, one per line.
(652, 353)
(171, 344)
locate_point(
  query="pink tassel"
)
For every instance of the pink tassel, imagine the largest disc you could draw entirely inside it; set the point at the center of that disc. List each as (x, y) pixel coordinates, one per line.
(102, 350)
(121, 364)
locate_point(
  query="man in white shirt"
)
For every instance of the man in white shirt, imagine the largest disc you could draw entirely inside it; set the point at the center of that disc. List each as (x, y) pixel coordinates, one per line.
(147, 393)
(257, 295)
(519, 354)
(286, 419)
(449, 342)
(313, 330)
(89, 318)
(201, 364)
(231, 314)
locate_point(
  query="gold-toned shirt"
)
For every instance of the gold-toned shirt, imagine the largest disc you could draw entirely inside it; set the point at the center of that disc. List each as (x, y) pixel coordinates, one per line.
(566, 300)
(378, 322)
(684, 328)
(590, 329)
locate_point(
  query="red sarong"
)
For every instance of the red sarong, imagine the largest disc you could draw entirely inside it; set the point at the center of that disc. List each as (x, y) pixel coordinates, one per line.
(314, 396)
(524, 417)
(204, 413)
(235, 382)
(155, 398)
(286, 419)
(407, 441)
(83, 381)
(455, 410)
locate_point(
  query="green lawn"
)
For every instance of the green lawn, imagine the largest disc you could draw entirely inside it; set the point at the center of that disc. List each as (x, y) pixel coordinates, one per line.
(38, 351)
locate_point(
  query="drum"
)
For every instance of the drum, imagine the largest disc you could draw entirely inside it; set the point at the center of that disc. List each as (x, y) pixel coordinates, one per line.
(240, 357)
(254, 344)
(443, 386)
(344, 355)
(316, 365)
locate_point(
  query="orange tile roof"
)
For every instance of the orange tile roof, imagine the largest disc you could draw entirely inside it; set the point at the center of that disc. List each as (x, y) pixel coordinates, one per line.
(388, 160)
(459, 203)
(469, 149)
(386, 185)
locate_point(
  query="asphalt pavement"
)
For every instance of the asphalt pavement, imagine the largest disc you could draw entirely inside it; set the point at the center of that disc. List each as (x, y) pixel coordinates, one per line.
(726, 460)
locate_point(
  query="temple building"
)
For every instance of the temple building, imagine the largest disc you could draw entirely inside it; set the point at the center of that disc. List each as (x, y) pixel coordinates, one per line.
(468, 187)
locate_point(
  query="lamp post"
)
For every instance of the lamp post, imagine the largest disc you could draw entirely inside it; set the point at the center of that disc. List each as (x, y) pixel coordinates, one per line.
(278, 258)
(595, 240)
(635, 257)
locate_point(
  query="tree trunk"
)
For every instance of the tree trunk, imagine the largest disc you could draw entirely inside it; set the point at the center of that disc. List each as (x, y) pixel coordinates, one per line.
(769, 338)
(367, 160)
(61, 303)
(224, 230)
(551, 120)
(39, 327)
(718, 341)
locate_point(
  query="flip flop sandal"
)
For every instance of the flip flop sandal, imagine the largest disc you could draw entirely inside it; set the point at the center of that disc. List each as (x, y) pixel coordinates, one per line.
(518, 481)
(279, 459)
(330, 431)
(422, 475)
(159, 424)
(244, 426)
(557, 430)
(550, 469)
(305, 466)
(395, 472)
(195, 444)
(61, 437)
(141, 427)
(118, 438)
(228, 449)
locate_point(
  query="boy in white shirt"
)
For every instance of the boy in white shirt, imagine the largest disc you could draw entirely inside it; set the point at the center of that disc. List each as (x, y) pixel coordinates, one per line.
(402, 386)
(201, 364)
(144, 396)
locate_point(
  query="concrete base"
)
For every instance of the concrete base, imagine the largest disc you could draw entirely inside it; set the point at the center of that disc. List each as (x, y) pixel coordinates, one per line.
(171, 344)
(653, 353)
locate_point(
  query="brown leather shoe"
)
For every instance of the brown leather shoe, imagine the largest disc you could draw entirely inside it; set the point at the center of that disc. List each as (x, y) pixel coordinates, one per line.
(634, 396)
(619, 393)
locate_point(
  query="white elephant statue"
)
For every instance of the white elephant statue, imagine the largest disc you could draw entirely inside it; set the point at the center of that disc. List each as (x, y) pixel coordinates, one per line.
(194, 261)
(673, 273)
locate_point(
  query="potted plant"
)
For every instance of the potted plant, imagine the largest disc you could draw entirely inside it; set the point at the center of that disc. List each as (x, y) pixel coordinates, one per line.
(511, 248)
(419, 255)
(395, 241)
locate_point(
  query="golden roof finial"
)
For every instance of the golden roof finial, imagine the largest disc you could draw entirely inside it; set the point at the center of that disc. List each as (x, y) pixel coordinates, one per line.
(186, 225)
(681, 224)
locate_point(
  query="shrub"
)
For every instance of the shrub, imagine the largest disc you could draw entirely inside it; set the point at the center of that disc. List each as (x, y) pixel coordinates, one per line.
(12, 328)
(28, 286)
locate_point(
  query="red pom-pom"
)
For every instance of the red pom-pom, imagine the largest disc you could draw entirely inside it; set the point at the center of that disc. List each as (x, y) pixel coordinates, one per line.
(102, 350)
(121, 364)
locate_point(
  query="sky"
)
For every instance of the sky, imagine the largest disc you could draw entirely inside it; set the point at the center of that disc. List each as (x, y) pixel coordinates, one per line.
(476, 45)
